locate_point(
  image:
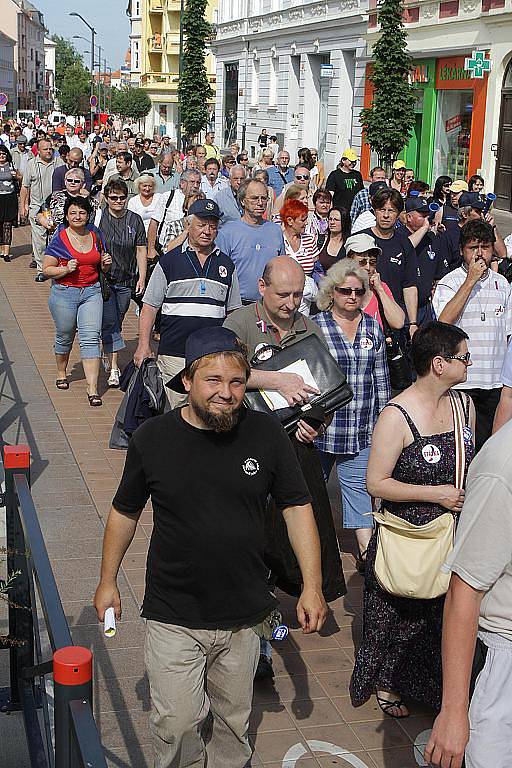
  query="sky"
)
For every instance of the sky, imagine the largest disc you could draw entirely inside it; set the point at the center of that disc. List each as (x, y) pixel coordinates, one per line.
(108, 17)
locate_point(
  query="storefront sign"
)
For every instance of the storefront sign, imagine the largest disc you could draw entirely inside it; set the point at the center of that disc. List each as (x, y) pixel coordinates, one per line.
(477, 64)
(326, 70)
(452, 75)
(420, 74)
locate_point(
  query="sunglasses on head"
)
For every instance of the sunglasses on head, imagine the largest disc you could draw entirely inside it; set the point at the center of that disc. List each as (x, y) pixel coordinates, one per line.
(117, 198)
(349, 291)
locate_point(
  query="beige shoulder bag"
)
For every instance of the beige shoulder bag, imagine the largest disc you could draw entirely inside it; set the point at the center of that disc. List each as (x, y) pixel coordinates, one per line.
(409, 557)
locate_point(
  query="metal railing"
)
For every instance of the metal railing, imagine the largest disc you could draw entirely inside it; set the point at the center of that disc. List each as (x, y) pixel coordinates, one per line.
(77, 743)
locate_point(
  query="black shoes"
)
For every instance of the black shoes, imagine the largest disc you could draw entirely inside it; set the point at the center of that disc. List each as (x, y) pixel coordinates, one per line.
(33, 264)
(265, 669)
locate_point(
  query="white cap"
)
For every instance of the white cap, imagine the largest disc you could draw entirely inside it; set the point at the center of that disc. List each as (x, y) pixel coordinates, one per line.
(360, 243)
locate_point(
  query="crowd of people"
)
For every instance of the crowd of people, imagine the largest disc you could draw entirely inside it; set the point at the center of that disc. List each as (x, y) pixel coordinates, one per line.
(223, 261)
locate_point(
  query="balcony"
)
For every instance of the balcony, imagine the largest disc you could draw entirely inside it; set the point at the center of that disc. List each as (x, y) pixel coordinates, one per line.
(166, 81)
(172, 43)
(156, 6)
(155, 43)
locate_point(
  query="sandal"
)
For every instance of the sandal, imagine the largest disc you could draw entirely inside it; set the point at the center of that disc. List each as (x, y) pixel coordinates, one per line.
(62, 384)
(386, 706)
(361, 562)
(95, 400)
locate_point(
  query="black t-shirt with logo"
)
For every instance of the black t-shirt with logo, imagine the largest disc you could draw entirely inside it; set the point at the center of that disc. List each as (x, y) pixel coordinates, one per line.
(397, 266)
(344, 187)
(432, 262)
(209, 491)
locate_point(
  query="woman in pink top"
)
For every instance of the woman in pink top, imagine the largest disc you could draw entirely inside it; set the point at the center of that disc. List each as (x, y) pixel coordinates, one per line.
(362, 248)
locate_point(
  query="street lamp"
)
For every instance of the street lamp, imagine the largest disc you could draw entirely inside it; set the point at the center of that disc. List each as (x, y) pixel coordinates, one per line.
(180, 73)
(93, 32)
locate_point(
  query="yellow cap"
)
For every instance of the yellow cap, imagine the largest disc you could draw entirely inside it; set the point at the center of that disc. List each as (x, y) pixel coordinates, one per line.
(459, 185)
(350, 154)
(398, 164)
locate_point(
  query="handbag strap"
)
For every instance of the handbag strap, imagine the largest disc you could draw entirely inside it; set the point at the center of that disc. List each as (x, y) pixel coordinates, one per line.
(161, 225)
(460, 446)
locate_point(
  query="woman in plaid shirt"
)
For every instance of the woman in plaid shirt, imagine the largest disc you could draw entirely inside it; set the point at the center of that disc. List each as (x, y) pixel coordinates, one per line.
(356, 341)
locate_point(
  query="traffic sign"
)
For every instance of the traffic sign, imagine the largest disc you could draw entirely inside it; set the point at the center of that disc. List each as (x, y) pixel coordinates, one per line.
(3, 108)
(93, 101)
(3, 99)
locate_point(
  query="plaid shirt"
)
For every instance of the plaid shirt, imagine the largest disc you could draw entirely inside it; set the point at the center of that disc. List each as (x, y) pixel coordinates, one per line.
(360, 204)
(365, 366)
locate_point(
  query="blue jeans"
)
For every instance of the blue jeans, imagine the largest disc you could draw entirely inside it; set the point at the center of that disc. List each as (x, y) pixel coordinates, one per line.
(76, 309)
(114, 311)
(351, 471)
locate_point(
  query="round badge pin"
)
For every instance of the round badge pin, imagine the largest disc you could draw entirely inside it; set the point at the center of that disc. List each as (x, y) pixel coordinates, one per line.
(280, 632)
(366, 343)
(431, 454)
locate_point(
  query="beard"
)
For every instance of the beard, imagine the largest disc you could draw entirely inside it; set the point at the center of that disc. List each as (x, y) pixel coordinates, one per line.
(218, 422)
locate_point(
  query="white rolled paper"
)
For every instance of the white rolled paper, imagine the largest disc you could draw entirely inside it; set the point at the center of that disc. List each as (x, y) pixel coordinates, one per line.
(109, 627)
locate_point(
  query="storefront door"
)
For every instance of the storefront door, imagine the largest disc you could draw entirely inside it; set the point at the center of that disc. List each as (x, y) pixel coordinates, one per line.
(503, 177)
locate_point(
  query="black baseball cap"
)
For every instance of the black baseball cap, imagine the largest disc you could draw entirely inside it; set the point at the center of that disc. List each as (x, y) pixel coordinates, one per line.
(375, 186)
(206, 341)
(205, 209)
(139, 142)
(417, 204)
(472, 199)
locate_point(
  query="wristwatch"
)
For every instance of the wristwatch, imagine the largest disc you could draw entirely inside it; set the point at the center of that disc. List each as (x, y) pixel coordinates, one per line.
(414, 323)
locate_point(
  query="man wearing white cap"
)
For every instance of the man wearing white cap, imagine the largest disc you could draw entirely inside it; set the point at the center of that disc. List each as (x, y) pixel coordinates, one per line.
(344, 183)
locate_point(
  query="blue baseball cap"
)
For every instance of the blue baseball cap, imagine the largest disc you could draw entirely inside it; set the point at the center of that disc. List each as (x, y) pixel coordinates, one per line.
(205, 209)
(472, 199)
(417, 204)
(206, 341)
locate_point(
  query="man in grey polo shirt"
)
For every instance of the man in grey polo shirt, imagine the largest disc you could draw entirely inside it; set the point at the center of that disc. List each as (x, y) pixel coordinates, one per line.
(478, 612)
(36, 187)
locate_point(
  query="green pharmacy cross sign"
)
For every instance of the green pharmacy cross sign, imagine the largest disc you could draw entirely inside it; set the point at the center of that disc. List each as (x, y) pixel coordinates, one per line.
(477, 64)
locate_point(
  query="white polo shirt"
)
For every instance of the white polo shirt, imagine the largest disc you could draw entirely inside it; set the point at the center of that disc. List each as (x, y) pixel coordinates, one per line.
(486, 318)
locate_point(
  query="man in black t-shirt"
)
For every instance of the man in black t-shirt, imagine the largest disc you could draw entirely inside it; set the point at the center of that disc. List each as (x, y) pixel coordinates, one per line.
(209, 469)
(397, 264)
(344, 183)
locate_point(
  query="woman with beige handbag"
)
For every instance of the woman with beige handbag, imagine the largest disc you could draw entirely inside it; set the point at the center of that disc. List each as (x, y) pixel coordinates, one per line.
(421, 448)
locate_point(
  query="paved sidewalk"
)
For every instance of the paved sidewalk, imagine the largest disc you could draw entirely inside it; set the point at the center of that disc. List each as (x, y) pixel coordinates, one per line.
(305, 715)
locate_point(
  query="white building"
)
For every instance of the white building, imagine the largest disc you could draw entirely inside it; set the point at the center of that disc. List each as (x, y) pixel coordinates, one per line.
(293, 67)
(8, 75)
(24, 23)
(49, 76)
(134, 13)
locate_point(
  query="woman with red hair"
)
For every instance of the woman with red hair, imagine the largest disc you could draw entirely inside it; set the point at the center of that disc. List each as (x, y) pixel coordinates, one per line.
(300, 246)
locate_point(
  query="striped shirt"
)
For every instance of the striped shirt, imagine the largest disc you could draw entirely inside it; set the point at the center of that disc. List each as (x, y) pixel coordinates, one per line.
(486, 318)
(365, 365)
(360, 204)
(191, 296)
(307, 254)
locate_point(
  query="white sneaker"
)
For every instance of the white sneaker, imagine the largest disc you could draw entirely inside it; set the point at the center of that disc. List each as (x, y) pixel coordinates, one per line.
(113, 379)
(105, 362)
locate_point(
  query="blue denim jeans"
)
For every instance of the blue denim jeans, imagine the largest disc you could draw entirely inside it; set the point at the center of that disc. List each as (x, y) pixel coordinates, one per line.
(114, 311)
(76, 309)
(351, 471)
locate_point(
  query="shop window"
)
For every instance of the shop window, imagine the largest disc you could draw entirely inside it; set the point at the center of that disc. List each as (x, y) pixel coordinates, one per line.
(453, 133)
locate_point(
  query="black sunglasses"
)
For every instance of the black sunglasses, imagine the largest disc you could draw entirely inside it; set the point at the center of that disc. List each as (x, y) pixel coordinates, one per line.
(349, 291)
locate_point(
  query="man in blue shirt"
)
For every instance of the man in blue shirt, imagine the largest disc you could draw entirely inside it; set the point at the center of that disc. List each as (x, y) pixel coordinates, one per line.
(252, 241)
(280, 173)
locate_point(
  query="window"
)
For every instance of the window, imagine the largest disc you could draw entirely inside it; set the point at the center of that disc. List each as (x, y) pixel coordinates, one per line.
(255, 82)
(135, 55)
(136, 11)
(272, 92)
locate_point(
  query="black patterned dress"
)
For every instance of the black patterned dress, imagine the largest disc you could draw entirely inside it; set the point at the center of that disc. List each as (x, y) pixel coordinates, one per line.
(401, 645)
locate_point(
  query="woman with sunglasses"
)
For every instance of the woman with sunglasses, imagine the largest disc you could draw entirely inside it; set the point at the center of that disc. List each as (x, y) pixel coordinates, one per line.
(73, 260)
(51, 212)
(8, 201)
(357, 343)
(412, 469)
(125, 239)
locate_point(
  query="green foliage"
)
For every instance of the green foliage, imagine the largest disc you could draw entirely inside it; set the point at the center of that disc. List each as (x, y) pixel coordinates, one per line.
(75, 90)
(131, 102)
(194, 90)
(389, 120)
(65, 56)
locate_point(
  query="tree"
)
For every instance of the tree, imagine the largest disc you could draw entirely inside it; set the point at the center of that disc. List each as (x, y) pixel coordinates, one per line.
(194, 90)
(388, 122)
(131, 102)
(65, 56)
(75, 85)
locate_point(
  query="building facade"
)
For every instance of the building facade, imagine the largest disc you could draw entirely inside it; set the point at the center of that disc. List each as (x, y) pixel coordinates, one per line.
(463, 123)
(294, 69)
(159, 61)
(134, 12)
(8, 84)
(22, 22)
